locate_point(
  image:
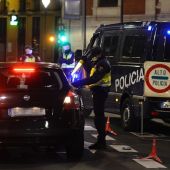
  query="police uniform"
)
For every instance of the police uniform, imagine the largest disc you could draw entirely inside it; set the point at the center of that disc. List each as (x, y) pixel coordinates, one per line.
(67, 61)
(99, 83)
(29, 57)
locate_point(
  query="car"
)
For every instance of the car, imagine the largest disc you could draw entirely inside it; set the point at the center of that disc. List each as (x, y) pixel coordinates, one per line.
(38, 106)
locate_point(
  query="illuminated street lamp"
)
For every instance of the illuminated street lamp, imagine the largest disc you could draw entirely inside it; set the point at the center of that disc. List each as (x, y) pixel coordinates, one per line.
(46, 3)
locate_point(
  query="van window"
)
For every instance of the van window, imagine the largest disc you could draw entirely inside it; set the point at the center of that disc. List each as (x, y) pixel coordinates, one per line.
(110, 45)
(95, 41)
(134, 46)
(161, 48)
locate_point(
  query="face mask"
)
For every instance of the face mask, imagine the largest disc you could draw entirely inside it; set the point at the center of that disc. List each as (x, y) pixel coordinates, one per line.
(28, 51)
(67, 51)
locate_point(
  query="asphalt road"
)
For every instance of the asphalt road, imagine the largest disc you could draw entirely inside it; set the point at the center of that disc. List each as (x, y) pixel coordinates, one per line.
(125, 150)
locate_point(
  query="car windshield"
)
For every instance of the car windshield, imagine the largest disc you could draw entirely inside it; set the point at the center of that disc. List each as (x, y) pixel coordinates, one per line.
(38, 79)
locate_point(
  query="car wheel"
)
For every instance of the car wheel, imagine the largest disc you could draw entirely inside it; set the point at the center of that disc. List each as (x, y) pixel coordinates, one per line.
(127, 115)
(75, 147)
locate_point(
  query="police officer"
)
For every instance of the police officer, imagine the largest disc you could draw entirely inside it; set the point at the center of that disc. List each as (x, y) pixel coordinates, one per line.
(67, 60)
(99, 83)
(28, 56)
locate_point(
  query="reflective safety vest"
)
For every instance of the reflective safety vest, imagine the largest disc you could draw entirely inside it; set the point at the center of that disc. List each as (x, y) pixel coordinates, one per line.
(64, 65)
(67, 57)
(29, 59)
(104, 82)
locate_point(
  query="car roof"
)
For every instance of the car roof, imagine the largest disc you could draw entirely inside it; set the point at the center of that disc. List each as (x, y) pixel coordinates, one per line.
(35, 64)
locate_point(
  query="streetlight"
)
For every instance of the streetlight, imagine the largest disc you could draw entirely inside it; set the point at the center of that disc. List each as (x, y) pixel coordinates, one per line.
(45, 4)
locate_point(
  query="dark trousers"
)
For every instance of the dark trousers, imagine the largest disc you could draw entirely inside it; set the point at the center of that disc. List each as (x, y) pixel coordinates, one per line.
(99, 97)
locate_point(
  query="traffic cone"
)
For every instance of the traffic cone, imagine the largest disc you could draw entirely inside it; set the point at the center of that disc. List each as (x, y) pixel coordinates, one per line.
(153, 154)
(108, 127)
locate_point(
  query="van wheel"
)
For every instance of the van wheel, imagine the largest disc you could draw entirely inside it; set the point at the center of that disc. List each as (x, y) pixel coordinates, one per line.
(127, 115)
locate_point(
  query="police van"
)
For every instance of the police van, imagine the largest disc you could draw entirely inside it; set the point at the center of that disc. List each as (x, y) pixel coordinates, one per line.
(139, 53)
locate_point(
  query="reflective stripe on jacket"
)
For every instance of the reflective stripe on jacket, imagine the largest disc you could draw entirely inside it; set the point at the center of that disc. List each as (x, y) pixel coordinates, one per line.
(67, 61)
(64, 65)
(29, 59)
(104, 82)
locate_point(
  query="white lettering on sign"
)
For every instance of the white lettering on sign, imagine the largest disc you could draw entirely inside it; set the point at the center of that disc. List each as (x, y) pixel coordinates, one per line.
(160, 72)
(129, 79)
(159, 78)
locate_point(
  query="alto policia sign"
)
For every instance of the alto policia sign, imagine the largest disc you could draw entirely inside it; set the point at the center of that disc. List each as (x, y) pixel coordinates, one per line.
(157, 79)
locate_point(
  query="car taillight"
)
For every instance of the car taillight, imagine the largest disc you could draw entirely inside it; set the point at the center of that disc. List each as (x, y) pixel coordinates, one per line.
(24, 70)
(71, 101)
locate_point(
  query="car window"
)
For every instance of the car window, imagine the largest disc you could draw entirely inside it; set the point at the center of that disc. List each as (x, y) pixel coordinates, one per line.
(39, 79)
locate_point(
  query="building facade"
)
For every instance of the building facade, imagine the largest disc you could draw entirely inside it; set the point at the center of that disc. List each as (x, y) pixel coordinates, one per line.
(36, 23)
(109, 11)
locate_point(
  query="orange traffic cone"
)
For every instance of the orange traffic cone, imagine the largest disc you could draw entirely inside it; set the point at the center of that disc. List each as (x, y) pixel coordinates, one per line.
(153, 154)
(108, 127)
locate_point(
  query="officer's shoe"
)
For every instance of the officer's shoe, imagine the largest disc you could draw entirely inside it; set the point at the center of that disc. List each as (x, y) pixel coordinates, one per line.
(98, 145)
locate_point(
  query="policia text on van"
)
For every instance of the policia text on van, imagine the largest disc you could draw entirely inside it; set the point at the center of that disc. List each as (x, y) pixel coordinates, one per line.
(139, 53)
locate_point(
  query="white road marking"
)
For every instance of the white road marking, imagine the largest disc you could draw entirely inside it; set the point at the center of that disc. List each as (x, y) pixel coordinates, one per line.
(89, 128)
(107, 114)
(147, 135)
(86, 146)
(123, 148)
(107, 137)
(149, 163)
(160, 121)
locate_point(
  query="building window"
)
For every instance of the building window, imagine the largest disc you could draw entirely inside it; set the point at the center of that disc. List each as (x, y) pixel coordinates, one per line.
(36, 35)
(3, 7)
(22, 5)
(107, 3)
(3, 23)
(36, 4)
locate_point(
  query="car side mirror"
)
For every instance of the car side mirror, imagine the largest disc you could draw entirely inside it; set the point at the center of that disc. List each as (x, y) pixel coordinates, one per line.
(78, 55)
